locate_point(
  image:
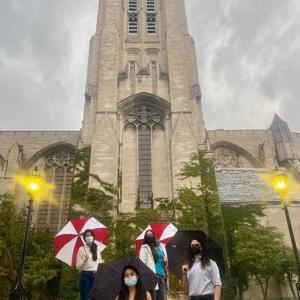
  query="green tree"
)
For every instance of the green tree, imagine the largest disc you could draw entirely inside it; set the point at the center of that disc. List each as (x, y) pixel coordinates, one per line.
(69, 284)
(41, 269)
(191, 209)
(234, 217)
(290, 269)
(260, 252)
(11, 234)
(200, 206)
(201, 167)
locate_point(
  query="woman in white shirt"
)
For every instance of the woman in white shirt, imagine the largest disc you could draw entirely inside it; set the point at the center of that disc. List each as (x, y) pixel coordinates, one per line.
(154, 255)
(88, 258)
(201, 275)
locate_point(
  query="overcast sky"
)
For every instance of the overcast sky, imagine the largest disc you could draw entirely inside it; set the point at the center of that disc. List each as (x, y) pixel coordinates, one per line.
(248, 58)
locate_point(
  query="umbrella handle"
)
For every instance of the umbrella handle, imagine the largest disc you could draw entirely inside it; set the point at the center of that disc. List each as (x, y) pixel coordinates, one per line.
(84, 249)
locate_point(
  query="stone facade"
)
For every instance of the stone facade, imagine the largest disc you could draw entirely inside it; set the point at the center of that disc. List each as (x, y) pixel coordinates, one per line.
(143, 119)
(245, 161)
(270, 148)
(53, 153)
(244, 186)
(142, 84)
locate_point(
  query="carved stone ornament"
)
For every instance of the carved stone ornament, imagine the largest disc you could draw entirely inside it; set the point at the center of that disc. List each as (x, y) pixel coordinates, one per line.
(60, 159)
(144, 114)
(225, 158)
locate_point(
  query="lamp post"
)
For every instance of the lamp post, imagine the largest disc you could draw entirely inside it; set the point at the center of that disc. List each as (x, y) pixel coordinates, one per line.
(280, 183)
(32, 185)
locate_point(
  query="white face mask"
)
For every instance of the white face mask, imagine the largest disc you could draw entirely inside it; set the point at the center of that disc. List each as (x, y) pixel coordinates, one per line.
(89, 240)
(130, 281)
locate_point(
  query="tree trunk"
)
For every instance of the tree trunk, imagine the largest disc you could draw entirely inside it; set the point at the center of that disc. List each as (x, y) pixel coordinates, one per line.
(264, 291)
(290, 277)
(241, 291)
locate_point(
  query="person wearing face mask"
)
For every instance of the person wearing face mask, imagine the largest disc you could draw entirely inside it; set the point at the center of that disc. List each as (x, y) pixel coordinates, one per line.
(88, 258)
(154, 255)
(132, 288)
(201, 276)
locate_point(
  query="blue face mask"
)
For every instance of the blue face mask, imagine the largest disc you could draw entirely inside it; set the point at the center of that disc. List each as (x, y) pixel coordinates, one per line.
(130, 281)
(89, 240)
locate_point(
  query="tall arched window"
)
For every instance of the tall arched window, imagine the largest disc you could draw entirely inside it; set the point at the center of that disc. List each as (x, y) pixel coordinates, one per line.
(52, 214)
(133, 17)
(145, 118)
(151, 17)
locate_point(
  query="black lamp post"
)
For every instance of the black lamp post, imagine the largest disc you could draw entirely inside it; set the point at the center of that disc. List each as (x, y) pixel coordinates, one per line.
(280, 183)
(33, 184)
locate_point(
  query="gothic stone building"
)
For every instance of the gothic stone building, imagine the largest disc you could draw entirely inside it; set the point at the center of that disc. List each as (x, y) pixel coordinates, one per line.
(143, 118)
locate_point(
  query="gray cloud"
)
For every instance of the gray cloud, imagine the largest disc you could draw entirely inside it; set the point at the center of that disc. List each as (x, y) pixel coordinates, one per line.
(43, 58)
(249, 61)
(248, 57)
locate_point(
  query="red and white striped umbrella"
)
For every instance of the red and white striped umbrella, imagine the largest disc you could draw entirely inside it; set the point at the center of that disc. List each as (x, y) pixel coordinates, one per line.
(68, 241)
(163, 233)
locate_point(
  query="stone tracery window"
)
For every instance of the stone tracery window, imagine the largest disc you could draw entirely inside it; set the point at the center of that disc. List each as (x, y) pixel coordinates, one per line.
(144, 118)
(144, 114)
(227, 158)
(58, 170)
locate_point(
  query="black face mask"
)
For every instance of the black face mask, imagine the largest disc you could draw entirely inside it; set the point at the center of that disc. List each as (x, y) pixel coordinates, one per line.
(151, 239)
(196, 250)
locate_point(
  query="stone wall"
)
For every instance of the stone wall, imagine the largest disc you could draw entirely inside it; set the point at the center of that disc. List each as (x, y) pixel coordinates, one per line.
(149, 72)
(296, 139)
(269, 148)
(253, 186)
(31, 142)
(52, 152)
(258, 143)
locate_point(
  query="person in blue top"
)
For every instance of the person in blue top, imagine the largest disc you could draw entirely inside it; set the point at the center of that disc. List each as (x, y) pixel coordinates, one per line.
(153, 254)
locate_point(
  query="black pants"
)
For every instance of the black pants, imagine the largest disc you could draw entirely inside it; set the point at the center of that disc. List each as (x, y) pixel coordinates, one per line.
(204, 297)
(160, 294)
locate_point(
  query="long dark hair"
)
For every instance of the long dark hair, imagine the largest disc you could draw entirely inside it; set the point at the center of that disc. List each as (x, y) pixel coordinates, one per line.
(141, 293)
(93, 247)
(151, 242)
(205, 261)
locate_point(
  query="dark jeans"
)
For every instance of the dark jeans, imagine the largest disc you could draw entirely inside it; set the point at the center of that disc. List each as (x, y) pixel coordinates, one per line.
(86, 282)
(160, 294)
(204, 297)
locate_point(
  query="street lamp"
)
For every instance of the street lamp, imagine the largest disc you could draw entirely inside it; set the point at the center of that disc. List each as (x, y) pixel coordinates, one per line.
(280, 183)
(33, 184)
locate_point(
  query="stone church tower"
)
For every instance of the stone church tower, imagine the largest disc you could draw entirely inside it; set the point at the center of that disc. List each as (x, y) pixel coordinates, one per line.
(142, 115)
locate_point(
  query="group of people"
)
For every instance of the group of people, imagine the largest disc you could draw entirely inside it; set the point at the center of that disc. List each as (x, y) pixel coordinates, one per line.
(200, 276)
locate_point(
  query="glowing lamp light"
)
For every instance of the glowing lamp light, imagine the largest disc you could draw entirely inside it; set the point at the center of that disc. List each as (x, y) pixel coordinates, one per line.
(33, 183)
(280, 183)
(281, 186)
(33, 186)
